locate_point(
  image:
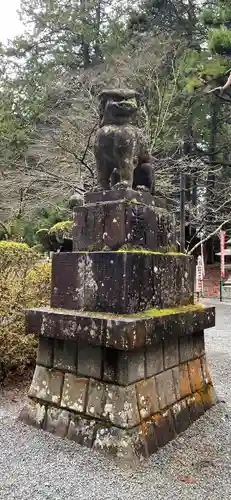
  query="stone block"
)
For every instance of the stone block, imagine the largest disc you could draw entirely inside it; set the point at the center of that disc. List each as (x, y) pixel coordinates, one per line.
(148, 438)
(124, 333)
(179, 324)
(166, 389)
(141, 225)
(110, 363)
(88, 227)
(195, 406)
(82, 430)
(90, 361)
(147, 398)
(45, 352)
(195, 375)
(65, 355)
(107, 439)
(130, 367)
(198, 344)
(171, 353)
(96, 399)
(128, 445)
(181, 381)
(74, 393)
(121, 194)
(57, 421)
(69, 325)
(121, 407)
(154, 359)
(177, 280)
(205, 371)
(115, 223)
(33, 414)
(116, 281)
(186, 348)
(46, 385)
(209, 397)
(164, 427)
(181, 417)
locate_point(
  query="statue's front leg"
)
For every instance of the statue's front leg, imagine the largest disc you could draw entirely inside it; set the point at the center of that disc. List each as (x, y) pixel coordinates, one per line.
(126, 174)
(103, 176)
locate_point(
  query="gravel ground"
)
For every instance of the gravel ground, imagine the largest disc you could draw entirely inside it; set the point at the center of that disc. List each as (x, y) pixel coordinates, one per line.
(197, 465)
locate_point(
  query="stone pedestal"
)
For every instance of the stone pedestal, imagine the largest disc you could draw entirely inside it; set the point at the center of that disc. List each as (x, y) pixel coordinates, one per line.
(121, 363)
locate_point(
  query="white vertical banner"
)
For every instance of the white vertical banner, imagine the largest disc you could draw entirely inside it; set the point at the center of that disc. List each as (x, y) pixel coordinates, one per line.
(199, 274)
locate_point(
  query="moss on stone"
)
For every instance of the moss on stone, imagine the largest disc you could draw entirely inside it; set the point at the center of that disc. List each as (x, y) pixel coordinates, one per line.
(147, 313)
(139, 249)
(64, 227)
(128, 248)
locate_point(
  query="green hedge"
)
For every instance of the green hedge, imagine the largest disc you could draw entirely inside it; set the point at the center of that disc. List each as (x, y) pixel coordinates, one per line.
(24, 283)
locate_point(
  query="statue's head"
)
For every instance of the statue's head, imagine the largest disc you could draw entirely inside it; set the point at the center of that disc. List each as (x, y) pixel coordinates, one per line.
(118, 106)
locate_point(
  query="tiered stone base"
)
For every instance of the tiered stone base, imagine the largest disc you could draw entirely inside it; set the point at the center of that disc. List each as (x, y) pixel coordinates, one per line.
(124, 385)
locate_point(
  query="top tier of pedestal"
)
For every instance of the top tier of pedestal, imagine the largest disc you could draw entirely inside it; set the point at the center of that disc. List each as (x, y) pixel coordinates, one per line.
(110, 219)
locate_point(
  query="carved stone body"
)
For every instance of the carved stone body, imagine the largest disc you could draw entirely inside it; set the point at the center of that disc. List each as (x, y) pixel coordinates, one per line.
(121, 152)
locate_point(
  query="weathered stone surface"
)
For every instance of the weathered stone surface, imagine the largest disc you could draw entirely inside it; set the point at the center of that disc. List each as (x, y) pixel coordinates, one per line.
(148, 438)
(46, 385)
(181, 416)
(209, 397)
(181, 381)
(164, 427)
(122, 217)
(96, 399)
(45, 352)
(33, 414)
(122, 194)
(130, 367)
(154, 359)
(198, 343)
(90, 361)
(171, 353)
(195, 375)
(205, 371)
(81, 430)
(123, 333)
(121, 407)
(57, 421)
(110, 363)
(123, 367)
(147, 398)
(68, 325)
(186, 348)
(165, 388)
(195, 406)
(107, 439)
(115, 281)
(74, 393)
(65, 355)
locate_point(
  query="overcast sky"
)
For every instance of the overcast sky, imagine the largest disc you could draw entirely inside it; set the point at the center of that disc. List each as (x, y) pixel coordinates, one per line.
(9, 21)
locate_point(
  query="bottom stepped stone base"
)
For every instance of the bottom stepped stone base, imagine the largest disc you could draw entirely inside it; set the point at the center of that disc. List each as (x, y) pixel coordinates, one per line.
(128, 422)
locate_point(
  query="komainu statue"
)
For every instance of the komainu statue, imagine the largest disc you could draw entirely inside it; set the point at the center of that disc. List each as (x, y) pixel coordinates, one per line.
(121, 152)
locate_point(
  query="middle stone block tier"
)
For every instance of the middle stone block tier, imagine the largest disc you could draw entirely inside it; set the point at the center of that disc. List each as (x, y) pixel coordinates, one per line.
(121, 282)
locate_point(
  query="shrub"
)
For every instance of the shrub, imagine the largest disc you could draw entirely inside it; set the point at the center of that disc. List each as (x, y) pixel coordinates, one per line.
(220, 40)
(62, 229)
(24, 283)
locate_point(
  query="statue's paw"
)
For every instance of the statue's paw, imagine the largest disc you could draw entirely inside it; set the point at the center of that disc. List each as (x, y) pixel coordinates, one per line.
(100, 189)
(122, 185)
(142, 188)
